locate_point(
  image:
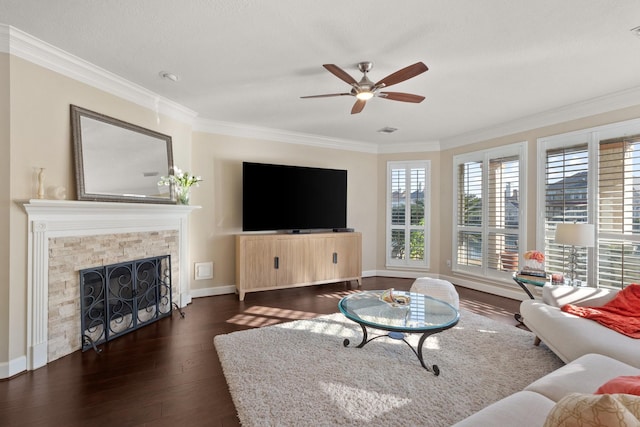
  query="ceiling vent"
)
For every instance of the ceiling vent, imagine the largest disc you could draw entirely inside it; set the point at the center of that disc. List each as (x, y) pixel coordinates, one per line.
(387, 129)
(168, 76)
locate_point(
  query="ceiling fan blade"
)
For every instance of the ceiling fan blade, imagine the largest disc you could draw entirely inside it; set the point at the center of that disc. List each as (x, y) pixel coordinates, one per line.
(358, 106)
(340, 73)
(399, 96)
(401, 75)
(326, 95)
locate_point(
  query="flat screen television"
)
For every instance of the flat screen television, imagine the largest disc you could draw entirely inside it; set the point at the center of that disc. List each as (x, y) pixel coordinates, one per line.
(292, 198)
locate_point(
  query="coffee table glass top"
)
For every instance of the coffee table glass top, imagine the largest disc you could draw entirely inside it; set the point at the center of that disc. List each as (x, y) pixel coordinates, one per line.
(422, 314)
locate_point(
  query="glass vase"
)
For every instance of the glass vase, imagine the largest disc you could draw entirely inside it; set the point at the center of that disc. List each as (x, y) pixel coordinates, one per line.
(182, 195)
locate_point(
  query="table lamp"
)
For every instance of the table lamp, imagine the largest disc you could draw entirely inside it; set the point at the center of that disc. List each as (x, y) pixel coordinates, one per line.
(576, 234)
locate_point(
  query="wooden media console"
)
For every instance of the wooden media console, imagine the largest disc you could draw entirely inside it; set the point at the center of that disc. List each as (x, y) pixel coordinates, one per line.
(277, 261)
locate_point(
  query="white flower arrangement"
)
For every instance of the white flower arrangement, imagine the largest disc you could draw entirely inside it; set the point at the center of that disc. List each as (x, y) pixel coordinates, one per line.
(181, 182)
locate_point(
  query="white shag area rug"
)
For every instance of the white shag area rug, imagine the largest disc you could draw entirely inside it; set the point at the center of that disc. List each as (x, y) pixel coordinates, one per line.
(300, 374)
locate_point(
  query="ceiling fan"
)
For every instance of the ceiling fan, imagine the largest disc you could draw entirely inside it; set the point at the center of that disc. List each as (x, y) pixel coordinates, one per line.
(365, 89)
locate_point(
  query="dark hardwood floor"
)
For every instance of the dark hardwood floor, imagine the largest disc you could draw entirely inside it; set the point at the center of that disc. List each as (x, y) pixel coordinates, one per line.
(168, 373)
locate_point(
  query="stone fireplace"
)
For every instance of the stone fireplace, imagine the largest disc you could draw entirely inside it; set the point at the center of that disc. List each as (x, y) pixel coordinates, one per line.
(68, 236)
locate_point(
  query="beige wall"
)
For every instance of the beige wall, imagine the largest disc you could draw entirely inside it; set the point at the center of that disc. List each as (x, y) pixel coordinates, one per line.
(41, 137)
(218, 159)
(5, 202)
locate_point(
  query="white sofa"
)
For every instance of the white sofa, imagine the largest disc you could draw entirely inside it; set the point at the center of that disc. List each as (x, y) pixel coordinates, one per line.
(531, 406)
(571, 336)
(594, 355)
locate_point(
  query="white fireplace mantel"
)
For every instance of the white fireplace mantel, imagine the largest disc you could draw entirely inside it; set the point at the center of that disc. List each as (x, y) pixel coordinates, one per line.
(62, 218)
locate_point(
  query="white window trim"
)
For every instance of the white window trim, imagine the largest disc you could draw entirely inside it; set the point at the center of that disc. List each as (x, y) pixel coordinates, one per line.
(519, 149)
(592, 136)
(408, 263)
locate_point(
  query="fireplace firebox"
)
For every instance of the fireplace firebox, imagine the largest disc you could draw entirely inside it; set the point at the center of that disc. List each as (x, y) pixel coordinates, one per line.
(120, 298)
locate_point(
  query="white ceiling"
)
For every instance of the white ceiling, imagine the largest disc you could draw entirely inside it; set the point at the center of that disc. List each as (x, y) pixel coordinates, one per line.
(491, 62)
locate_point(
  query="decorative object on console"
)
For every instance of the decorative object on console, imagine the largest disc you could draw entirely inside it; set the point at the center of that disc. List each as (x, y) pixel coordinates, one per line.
(41, 184)
(576, 234)
(181, 183)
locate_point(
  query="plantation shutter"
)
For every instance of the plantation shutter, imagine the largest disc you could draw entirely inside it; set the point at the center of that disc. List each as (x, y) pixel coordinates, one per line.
(488, 211)
(619, 212)
(503, 213)
(469, 249)
(566, 200)
(407, 200)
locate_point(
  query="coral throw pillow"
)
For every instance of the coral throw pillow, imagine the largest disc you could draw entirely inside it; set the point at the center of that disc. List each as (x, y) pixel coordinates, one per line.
(590, 410)
(627, 384)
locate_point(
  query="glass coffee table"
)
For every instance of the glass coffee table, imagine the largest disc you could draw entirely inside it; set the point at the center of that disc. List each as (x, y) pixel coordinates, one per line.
(421, 315)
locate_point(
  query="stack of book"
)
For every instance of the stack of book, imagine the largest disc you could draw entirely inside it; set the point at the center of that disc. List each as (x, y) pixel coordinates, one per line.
(532, 275)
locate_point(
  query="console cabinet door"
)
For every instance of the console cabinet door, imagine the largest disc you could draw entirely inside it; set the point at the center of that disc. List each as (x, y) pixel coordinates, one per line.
(294, 257)
(348, 256)
(257, 269)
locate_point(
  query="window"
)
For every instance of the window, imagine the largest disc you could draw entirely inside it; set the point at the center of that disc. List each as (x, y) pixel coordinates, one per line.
(566, 197)
(408, 214)
(488, 214)
(593, 176)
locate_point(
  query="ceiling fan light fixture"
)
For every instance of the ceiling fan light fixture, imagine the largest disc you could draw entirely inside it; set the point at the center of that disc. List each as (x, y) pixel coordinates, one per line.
(364, 95)
(365, 89)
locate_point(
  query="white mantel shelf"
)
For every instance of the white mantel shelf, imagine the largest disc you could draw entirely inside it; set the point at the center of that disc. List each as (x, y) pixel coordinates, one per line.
(72, 217)
(58, 218)
(70, 207)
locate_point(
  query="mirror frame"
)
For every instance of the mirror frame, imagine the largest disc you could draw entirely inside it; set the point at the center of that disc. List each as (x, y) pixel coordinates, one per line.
(77, 113)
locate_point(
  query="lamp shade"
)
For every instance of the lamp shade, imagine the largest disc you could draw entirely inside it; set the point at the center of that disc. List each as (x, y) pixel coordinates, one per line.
(575, 234)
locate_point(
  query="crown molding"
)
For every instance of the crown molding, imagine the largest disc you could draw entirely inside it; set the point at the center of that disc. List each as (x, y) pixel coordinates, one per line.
(599, 105)
(277, 135)
(29, 48)
(409, 147)
(289, 137)
(4, 38)
(25, 46)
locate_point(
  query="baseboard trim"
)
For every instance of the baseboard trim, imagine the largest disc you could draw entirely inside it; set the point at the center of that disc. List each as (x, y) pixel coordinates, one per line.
(499, 289)
(403, 274)
(231, 289)
(13, 367)
(213, 291)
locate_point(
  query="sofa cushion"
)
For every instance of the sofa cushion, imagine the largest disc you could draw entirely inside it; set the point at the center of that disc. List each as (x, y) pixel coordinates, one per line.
(571, 336)
(559, 295)
(582, 410)
(627, 384)
(523, 408)
(583, 375)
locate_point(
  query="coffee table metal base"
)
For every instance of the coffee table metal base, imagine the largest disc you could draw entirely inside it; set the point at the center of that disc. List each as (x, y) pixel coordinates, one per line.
(400, 336)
